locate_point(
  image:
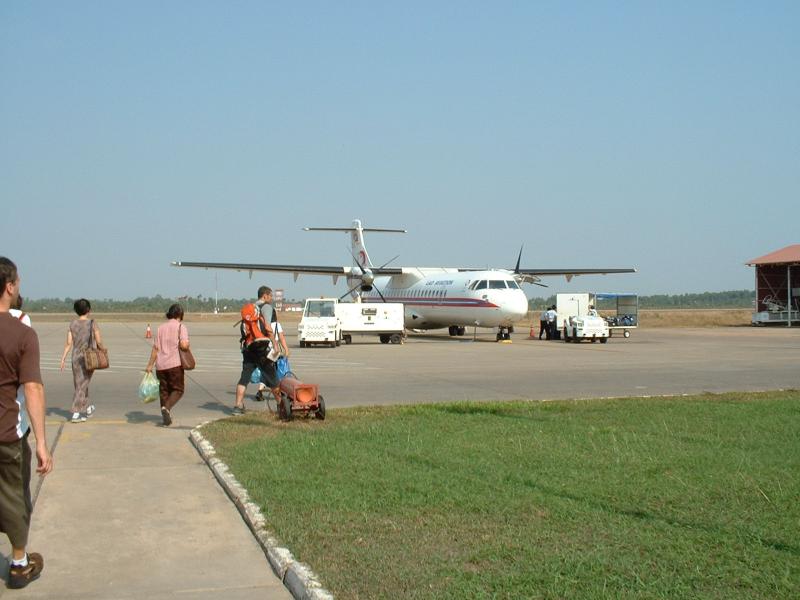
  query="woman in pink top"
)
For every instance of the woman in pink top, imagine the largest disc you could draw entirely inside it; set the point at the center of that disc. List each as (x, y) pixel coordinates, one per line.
(167, 360)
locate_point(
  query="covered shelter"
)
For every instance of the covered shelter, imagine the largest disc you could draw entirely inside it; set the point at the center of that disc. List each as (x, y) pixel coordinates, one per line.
(777, 286)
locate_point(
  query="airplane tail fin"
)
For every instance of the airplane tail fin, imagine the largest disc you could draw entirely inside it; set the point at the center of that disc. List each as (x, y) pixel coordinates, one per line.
(357, 247)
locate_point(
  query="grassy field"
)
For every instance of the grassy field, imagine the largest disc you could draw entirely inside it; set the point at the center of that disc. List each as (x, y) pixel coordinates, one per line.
(695, 497)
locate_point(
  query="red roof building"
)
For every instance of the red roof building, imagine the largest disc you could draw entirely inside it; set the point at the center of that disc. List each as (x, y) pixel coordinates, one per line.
(777, 286)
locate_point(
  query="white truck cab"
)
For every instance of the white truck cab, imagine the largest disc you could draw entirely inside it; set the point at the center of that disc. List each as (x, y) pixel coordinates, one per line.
(319, 324)
(328, 321)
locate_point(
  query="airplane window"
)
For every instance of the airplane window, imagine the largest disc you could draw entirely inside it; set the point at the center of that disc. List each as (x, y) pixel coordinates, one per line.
(497, 285)
(513, 285)
(481, 285)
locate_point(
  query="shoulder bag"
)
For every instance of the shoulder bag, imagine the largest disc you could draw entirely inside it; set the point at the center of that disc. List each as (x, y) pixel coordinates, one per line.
(187, 358)
(94, 357)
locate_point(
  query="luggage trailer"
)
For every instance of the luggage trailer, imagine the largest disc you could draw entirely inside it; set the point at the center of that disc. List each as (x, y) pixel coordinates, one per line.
(621, 311)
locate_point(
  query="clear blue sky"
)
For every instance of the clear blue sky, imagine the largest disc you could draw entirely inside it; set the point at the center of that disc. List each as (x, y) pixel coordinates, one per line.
(659, 135)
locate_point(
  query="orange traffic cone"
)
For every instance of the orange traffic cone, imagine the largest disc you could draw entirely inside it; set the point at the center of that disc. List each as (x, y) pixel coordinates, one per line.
(533, 331)
(149, 332)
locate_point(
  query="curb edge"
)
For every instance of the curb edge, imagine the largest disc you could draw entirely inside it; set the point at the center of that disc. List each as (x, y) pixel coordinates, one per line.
(297, 577)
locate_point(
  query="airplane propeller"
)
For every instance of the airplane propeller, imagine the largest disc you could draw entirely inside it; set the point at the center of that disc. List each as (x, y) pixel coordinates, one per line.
(524, 277)
(367, 279)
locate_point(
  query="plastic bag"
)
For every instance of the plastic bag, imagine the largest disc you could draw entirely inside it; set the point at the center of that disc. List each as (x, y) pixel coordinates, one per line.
(255, 377)
(282, 367)
(148, 388)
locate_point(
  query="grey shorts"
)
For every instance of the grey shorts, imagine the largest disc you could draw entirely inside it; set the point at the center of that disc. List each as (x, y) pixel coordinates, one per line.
(15, 491)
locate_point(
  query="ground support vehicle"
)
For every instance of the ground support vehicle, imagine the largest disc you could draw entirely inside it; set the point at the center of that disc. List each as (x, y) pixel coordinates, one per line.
(621, 312)
(300, 398)
(585, 327)
(382, 318)
(328, 321)
(319, 324)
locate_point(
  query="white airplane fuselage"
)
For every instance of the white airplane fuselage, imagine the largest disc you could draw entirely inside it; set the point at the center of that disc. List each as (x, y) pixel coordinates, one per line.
(436, 298)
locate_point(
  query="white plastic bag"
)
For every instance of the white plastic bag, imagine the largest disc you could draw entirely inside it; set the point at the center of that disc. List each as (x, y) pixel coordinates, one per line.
(148, 388)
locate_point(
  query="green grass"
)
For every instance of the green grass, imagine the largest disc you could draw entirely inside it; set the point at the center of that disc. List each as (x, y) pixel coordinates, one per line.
(694, 497)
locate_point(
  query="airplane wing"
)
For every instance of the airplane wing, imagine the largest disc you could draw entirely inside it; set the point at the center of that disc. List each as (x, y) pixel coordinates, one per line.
(296, 269)
(534, 275)
(573, 272)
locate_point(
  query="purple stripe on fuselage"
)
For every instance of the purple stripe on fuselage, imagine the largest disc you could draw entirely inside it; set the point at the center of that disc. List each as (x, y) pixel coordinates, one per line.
(450, 302)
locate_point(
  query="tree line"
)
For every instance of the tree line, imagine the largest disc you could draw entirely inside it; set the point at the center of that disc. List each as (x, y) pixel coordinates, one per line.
(728, 299)
(158, 303)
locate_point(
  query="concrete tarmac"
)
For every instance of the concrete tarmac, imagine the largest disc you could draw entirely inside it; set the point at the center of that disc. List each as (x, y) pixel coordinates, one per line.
(131, 511)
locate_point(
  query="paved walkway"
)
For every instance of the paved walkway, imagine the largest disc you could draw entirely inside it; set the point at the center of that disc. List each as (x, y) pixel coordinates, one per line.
(132, 511)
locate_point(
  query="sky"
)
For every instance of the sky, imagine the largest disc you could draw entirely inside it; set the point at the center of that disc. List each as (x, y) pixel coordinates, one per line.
(661, 136)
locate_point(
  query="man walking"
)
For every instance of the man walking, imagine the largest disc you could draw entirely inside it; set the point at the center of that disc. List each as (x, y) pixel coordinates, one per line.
(19, 365)
(254, 353)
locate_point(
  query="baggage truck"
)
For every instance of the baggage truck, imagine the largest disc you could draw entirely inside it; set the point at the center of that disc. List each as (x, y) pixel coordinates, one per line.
(330, 322)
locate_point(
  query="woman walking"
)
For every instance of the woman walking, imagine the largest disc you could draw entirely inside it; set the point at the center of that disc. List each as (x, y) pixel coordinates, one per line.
(167, 360)
(79, 337)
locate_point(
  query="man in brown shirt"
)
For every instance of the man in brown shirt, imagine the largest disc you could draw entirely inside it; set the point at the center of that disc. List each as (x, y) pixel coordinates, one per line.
(19, 365)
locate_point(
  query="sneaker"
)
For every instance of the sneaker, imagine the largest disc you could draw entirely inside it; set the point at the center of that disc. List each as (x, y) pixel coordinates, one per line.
(90, 411)
(166, 417)
(238, 410)
(77, 418)
(19, 577)
(259, 396)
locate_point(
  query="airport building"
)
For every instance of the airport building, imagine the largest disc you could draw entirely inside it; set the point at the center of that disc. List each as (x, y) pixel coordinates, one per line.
(777, 287)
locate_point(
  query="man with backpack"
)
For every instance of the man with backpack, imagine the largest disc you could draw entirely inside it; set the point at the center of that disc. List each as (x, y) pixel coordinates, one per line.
(257, 341)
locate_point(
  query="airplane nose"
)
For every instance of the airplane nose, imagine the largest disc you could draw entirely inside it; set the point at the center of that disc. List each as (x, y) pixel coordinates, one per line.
(521, 305)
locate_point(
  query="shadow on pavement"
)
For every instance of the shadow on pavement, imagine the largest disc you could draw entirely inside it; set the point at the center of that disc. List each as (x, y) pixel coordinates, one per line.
(217, 406)
(137, 417)
(58, 412)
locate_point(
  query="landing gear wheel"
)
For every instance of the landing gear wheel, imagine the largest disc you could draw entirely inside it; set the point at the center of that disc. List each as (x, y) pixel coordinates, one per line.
(320, 414)
(286, 402)
(452, 330)
(461, 331)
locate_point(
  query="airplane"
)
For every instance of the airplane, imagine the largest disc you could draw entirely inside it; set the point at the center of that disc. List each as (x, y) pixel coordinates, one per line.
(433, 297)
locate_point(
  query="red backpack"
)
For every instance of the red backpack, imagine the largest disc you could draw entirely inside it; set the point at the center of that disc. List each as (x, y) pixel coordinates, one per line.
(253, 327)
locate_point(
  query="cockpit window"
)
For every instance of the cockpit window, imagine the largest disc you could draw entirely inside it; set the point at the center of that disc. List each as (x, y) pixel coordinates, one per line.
(481, 285)
(495, 284)
(513, 285)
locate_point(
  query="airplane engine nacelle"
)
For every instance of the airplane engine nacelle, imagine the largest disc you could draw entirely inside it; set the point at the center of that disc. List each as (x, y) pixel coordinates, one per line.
(367, 278)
